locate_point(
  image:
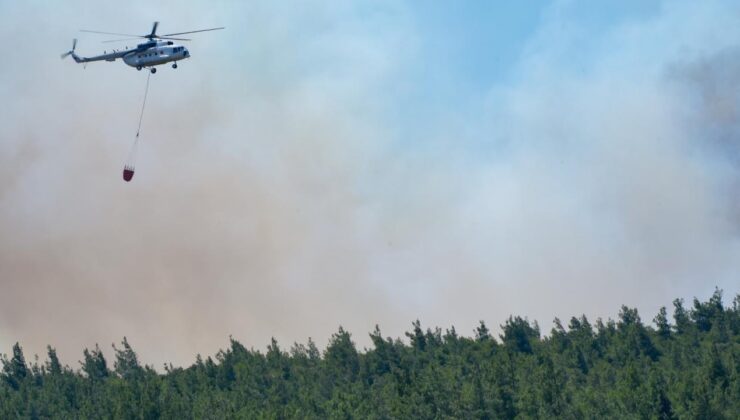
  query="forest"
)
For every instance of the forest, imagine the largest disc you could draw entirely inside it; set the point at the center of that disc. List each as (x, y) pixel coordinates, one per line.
(680, 366)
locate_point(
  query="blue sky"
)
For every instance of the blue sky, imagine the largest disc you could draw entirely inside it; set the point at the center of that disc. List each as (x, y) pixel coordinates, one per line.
(323, 163)
(467, 47)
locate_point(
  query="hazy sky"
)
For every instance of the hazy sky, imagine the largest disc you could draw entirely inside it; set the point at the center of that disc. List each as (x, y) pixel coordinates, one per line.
(326, 163)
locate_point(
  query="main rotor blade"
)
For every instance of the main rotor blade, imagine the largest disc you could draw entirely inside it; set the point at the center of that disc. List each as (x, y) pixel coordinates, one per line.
(119, 40)
(192, 32)
(154, 29)
(176, 39)
(110, 33)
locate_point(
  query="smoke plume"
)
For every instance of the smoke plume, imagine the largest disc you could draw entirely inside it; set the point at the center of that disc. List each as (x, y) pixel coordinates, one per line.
(279, 193)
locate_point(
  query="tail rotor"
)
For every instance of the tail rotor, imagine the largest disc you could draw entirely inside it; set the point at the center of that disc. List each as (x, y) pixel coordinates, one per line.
(72, 51)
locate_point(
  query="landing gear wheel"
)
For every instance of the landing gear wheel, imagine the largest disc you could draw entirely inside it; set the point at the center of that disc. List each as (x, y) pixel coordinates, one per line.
(174, 66)
(138, 68)
(154, 70)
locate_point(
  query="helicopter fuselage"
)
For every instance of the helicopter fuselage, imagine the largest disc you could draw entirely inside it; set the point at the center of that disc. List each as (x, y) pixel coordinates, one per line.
(156, 50)
(155, 53)
(148, 54)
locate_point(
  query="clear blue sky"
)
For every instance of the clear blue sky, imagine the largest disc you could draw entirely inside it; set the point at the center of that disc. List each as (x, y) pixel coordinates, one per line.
(470, 45)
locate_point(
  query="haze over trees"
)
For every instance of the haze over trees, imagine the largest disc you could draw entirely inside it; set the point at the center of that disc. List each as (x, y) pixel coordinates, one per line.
(684, 366)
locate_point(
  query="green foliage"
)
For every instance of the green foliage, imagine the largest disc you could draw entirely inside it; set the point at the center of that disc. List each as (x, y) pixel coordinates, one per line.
(94, 366)
(519, 335)
(611, 369)
(15, 370)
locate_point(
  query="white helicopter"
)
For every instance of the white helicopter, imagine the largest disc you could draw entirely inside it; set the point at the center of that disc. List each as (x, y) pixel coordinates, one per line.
(158, 49)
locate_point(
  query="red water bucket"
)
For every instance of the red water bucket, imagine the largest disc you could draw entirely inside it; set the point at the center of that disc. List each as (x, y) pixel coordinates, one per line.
(128, 173)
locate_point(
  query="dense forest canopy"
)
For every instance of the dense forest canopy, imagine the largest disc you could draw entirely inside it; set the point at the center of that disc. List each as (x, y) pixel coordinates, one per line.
(684, 367)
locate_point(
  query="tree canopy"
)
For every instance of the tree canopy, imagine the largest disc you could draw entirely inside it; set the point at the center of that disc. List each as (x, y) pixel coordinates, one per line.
(687, 367)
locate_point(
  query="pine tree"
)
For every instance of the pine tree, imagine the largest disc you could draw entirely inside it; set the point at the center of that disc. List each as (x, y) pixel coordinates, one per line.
(94, 366)
(15, 370)
(661, 323)
(52, 365)
(126, 364)
(519, 334)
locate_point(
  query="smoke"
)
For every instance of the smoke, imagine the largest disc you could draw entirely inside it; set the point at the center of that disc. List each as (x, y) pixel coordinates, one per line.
(279, 193)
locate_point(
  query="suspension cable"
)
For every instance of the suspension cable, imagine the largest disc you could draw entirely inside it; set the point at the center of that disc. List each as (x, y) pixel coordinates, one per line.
(128, 168)
(143, 104)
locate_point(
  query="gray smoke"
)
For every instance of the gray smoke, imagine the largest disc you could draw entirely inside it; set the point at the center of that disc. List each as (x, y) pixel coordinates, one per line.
(277, 193)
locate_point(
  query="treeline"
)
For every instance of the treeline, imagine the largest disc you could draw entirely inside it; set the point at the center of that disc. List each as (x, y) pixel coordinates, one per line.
(684, 368)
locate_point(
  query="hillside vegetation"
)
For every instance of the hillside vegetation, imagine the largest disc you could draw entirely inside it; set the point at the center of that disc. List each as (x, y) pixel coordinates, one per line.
(684, 366)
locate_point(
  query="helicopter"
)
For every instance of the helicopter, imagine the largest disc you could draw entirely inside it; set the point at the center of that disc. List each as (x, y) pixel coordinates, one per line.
(156, 50)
